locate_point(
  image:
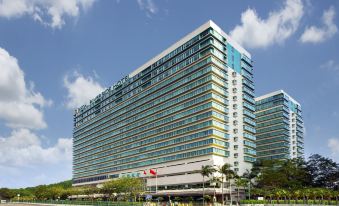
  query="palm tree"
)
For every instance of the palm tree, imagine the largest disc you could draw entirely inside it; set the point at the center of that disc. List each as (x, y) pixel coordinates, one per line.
(258, 192)
(215, 181)
(296, 194)
(307, 193)
(278, 193)
(336, 195)
(286, 194)
(231, 175)
(225, 171)
(328, 194)
(250, 175)
(206, 171)
(321, 192)
(270, 194)
(239, 182)
(314, 194)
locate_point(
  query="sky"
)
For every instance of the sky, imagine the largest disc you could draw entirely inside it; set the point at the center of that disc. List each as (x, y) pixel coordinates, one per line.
(55, 55)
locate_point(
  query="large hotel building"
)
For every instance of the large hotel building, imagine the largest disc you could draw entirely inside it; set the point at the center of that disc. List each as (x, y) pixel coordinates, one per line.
(191, 105)
(280, 127)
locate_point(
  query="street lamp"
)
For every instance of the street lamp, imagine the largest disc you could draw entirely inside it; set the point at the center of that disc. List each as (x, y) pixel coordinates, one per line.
(18, 197)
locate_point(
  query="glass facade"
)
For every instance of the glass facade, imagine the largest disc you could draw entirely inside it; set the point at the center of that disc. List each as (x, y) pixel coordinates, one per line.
(279, 128)
(176, 108)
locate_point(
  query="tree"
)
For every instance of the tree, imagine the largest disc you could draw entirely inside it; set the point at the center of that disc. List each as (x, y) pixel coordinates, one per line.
(307, 193)
(258, 192)
(40, 192)
(206, 171)
(90, 191)
(124, 186)
(225, 171)
(135, 186)
(6, 193)
(109, 188)
(207, 198)
(215, 181)
(66, 193)
(287, 174)
(336, 196)
(240, 182)
(278, 194)
(177, 199)
(296, 194)
(189, 199)
(249, 175)
(295, 173)
(324, 171)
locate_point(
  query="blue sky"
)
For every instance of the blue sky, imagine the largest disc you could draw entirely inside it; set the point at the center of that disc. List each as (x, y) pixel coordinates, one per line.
(56, 55)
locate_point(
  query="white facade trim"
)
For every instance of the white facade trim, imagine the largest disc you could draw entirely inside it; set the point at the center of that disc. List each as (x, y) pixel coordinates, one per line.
(197, 31)
(276, 93)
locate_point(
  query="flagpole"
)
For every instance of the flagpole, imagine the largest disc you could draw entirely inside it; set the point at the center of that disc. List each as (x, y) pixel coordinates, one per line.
(156, 181)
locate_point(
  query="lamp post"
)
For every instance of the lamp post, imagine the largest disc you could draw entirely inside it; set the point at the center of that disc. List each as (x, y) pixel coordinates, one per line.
(249, 189)
(18, 197)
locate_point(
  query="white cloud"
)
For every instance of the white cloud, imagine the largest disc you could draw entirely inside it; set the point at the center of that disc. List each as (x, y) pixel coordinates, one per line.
(148, 6)
(48, 12)
(330, 65)
(255, 32)
(80, 89)
(333, 144)
(22, 155)
(20, 105)
(315, 34)
(22, 148)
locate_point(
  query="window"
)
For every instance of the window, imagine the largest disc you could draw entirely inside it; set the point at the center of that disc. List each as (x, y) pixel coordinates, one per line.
(235, 139)
(234, 90)
(236, 163)
(235, 106)
(235, 114)
(235, 155)
(235, 147)
(234, 82)
(235, 122)
(234, 74)
(235, 131)
(235, 98)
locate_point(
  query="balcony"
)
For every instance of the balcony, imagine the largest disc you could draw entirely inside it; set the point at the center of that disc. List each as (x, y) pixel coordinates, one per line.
(248, 91)
(249, 98)
(248, 83)
(250, 107)
(249, 114)
(250, 151)
(249, 136)
(249, 159)
(247, 76)
(249, 129)
(249, 121)
(246, 67)
(246, 59)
